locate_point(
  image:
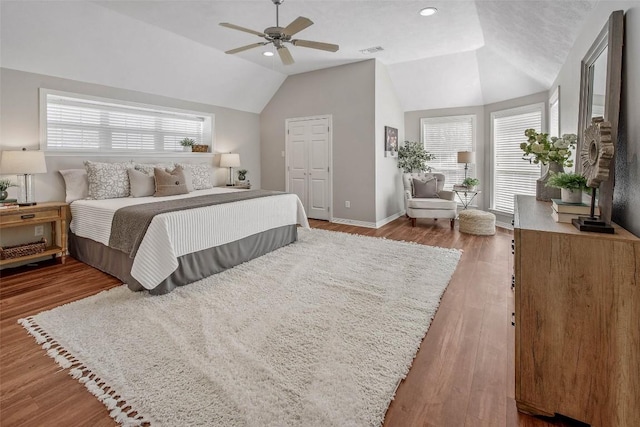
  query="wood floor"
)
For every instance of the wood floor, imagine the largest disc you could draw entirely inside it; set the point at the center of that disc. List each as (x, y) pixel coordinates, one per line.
(463, 374)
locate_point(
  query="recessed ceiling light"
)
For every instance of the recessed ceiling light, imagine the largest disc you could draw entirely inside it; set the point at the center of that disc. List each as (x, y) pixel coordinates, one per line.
(428, 11)
(267, 53)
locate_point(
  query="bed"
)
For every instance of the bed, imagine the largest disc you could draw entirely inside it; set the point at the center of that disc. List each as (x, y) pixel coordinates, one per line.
(187, 244)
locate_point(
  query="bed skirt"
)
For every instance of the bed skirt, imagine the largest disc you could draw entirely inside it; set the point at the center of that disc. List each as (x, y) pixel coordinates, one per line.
(192, 267)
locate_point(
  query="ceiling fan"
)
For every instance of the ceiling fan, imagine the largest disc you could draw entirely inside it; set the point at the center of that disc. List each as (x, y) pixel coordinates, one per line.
(279, 36)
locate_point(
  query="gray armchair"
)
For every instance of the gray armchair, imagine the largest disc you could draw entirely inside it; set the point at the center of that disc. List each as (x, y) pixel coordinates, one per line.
(442, 206)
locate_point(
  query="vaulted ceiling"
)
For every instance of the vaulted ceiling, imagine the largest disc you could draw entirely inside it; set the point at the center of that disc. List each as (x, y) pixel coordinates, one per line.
(469, 53)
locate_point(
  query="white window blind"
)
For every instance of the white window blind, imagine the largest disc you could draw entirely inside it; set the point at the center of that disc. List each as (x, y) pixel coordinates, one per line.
(511, 174)
(554, 113)
(444, 137)
(79, 124)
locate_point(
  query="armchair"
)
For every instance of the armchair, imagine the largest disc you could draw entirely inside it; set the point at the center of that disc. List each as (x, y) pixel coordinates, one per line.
(442, 206)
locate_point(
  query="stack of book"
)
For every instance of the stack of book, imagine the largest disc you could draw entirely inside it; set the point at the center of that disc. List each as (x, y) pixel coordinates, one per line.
(9, 204)
(565, 212)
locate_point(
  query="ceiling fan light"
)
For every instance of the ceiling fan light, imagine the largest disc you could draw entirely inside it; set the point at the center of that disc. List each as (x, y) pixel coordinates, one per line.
(268, 53)
(428, 11)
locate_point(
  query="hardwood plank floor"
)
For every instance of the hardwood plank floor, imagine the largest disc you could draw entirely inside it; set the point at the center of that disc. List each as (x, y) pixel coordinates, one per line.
(463, 374)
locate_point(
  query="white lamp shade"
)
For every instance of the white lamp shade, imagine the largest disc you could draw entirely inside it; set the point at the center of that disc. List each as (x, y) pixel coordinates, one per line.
(22, 162)
(466, 157)
(230, 160)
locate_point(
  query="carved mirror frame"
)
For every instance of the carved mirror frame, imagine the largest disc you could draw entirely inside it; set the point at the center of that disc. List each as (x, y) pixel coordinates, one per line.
(610, 38)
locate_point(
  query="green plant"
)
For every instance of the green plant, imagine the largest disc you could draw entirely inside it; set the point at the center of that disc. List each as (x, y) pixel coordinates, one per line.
(539, 148)
(412, 156)
(570, 181)
(470, 182)
(187, 142)
(6, 183)
(242, 174)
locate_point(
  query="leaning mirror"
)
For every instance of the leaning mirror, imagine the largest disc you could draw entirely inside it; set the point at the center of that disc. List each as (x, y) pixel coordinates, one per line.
(600, 81)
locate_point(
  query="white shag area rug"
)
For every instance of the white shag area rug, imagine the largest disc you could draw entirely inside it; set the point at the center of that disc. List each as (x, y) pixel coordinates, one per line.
(318, 333)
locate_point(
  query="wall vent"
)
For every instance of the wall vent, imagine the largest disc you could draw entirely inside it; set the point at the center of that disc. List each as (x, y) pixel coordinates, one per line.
(371, 50)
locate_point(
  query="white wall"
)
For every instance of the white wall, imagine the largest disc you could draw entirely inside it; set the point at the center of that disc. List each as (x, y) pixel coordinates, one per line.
(627, 191)
(346, 92)
(83, 41)
(388, 112)
(235, 131)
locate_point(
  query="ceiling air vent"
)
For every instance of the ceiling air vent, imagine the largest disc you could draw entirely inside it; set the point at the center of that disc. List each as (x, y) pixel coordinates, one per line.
(371, 50)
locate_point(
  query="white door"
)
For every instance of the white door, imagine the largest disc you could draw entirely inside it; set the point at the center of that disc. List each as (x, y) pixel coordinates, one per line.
(309, 157)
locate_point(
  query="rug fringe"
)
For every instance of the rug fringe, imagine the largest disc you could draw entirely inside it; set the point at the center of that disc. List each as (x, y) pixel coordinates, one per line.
(117, 407)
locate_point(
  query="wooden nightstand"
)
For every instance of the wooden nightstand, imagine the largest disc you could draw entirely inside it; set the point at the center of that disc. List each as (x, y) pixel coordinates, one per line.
(42, 213)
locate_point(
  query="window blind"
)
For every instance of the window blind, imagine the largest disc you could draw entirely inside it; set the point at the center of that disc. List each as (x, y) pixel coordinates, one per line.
(444, 137)
(88, 125)
(511, 174)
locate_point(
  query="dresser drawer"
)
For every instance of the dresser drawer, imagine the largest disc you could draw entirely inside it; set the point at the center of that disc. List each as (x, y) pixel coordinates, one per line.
(26, 217)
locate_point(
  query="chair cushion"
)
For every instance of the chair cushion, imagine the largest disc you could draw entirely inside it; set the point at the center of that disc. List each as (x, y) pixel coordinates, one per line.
(425, 189)
(431, 203)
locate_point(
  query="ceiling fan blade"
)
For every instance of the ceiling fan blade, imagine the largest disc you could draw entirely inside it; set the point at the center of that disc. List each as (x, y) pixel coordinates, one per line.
(299, 24)
(316, 45)
(285, 56)
(239, 28)
(247, 47)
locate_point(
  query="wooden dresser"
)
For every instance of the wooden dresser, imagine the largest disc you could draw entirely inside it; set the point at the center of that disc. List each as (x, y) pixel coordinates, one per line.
(577, 319)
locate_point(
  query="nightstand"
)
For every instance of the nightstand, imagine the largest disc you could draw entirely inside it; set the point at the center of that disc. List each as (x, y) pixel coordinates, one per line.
(30, 216)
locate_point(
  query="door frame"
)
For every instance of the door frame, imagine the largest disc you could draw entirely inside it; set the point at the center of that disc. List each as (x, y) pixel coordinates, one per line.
(287, 152)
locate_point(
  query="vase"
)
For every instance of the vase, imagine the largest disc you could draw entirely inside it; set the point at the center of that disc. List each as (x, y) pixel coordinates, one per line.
(186, 148)
(543, 192)
(571, 196)
(3, 195)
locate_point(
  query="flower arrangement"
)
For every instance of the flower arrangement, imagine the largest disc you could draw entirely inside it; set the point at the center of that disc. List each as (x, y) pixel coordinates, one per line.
(539, 148)
(242, 174)
(412, 156)
(6, 183)
(570, 181)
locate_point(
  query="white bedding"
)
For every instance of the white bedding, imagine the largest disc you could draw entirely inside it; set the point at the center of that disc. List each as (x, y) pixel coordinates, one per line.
(173, 234)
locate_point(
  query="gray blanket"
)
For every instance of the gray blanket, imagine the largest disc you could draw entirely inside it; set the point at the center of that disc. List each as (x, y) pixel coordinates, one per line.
(130, 223)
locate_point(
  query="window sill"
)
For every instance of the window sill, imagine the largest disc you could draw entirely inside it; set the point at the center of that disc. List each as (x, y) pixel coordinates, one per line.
(127, 154)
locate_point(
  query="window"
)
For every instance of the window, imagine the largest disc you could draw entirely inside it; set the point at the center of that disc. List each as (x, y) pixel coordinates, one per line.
(554, 113)
(444, 137)
(72, 122)
(511, 174)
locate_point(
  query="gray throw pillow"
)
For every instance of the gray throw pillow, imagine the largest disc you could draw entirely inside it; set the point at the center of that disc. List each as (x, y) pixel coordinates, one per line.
(141, 184)
(170, 183)
(425, 189)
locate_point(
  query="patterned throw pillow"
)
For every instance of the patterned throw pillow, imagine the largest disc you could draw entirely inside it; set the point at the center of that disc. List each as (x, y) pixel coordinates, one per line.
(170, 183)
(200, 175)
(107, 180)
(149, 167)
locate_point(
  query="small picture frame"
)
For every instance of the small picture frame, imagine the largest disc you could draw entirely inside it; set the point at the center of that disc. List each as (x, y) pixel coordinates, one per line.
(390, 141)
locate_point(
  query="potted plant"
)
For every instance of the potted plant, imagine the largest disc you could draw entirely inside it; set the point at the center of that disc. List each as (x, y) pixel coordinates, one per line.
(570, 184)
(187, 144)
(413, 157)
(471, 183)
(554, 151)
(242, 175)
(4, 184)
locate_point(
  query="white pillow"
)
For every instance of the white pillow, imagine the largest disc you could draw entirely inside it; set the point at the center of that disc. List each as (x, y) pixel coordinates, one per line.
(107, 180)
(141, 184)
(76, 184)
(200, 175)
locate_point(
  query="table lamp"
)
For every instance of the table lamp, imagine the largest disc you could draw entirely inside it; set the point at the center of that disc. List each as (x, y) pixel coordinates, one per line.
(466, 157)
(24, 164)
(230, 160)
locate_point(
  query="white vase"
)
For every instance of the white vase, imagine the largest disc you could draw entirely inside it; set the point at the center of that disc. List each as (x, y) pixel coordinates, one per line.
(186, 148)
(570, 196)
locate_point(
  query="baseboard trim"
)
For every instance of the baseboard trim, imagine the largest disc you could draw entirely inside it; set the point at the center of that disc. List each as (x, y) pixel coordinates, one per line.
(388, 219)
(354, 222)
